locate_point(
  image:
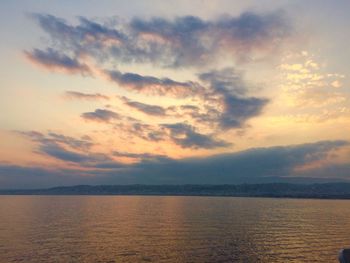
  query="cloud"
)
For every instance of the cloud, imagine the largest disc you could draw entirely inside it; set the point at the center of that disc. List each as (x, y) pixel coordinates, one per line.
(58, 152)
(142, 156)
(228, 88)
(84, 143)
(100, 115)
(254, 165)
(259, 165)
(57, 145)
(54, 60)
(191, 40)
(16, 176)
(307, 84)
(69, 149)
(181, 134)
(141, 130)
(223, 101)
(178, 42)
(87, 32)
(21, 176)
(85, 96)
(183, 41)
(145, 108)
(152, 85)
(238, 110)
(340, 170)
(185, 135)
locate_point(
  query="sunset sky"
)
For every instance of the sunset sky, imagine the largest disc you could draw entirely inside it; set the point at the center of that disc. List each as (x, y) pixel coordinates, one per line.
(174, 92)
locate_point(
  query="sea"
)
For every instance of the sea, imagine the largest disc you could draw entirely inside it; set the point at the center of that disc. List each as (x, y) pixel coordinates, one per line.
(171, 229)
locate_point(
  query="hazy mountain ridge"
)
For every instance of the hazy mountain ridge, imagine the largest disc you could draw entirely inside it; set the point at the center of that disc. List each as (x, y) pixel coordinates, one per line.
(325, 190)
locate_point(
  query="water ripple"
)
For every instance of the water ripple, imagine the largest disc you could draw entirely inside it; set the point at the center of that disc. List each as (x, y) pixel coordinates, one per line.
(171, 229)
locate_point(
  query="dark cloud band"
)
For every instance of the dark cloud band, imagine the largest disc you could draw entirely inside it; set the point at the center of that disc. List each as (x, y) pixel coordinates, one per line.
(274, 164)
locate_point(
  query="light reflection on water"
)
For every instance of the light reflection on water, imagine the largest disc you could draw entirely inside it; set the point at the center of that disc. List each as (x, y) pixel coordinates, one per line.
(171, 229)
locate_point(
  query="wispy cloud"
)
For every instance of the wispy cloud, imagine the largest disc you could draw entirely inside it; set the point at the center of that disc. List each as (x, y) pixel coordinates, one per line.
(83, 143)
(181, 134)
(145, 108)
(186, 136)
(307, 85)
(69, 149)
(229, 90)
(183, 41)
(152, 85)
(85, 96)
(54, 60)
(142, 156)
(222, 95)
(100, 115)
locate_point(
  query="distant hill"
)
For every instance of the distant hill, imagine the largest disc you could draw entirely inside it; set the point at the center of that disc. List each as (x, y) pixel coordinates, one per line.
(324, 190)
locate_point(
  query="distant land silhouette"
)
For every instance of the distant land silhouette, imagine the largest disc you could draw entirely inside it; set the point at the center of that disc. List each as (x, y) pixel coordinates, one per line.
(278, 190)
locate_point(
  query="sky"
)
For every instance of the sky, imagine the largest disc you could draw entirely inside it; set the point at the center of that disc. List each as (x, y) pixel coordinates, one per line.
(174, 92)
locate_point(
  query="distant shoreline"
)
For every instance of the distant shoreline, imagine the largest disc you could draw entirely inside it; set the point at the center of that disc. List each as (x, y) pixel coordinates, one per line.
(185, 195)
(270, 190)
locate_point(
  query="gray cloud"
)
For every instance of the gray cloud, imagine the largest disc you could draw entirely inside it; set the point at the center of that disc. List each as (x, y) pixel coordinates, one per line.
(253, 165)
(142, 130)
(16, 176)
(58, 152)
(53, 59)
(181, 134)
(190, 40)
(189, 107)
(152, 85)
(84, 143)
(145, 108)
(207, 115)
(85, 96)
(86, 159)
(274, 164)
(228, 88)
(186, 136)
(70, 149)
(100, 115)
(55, 145)
(142, 156)
(183, 41)
(238, 110)
(224, 101)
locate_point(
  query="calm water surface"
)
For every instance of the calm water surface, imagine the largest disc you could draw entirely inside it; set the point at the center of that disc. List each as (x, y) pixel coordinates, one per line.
(171, 229)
